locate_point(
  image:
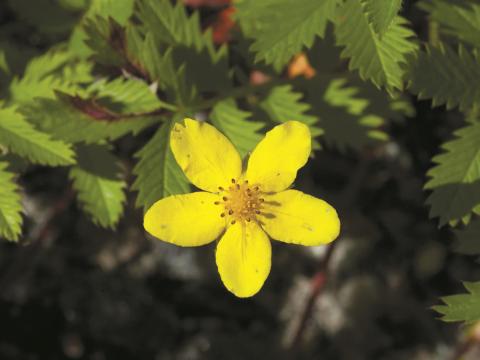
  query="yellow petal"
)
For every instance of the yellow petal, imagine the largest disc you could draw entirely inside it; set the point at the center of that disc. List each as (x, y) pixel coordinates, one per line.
(185, 220)
(244, 258)
(276, 159)
(294, 217)
(206, 156)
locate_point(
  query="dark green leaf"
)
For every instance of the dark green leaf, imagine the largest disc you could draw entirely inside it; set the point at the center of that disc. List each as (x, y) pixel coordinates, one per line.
(158, 174)
(98, 181)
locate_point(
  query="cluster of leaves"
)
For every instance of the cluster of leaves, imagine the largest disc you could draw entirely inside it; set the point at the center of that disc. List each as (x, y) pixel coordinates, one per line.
(137, 65)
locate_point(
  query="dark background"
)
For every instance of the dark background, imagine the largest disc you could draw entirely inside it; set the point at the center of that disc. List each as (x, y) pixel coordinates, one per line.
(70, 290)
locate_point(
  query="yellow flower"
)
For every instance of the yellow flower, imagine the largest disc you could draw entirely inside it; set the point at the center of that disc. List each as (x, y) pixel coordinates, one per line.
(242, 206)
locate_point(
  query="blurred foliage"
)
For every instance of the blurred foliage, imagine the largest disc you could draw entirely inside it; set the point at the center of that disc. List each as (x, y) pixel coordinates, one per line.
(95, 72)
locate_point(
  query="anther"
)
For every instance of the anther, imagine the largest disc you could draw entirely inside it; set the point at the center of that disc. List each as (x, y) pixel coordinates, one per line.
(246, 181)
(255, 188)
(225, 198)
(217, 202)
(233, 181)
(238, 186)
(248, 219)
(230, 212)
(222, 214)
(257, 212)
(261, 200)
(233, 222)
(221, 188)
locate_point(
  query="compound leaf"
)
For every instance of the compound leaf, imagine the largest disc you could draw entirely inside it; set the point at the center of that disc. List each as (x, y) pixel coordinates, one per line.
(378, 58)
(381, 13)
(284, 29)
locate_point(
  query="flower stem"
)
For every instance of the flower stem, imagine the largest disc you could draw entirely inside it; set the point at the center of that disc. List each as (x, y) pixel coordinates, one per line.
(317, 284)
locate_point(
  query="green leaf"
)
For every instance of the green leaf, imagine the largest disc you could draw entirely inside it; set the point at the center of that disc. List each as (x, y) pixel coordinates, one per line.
(348, 119)
(285, 29)
(111, 110)
(119, 11)
(460, 19)
(54, 70)
(170, 24)
(76, 5)
(47, 64)
(455, 180)
(163, 71)
(232, 122)
(75, 124)
(10, 205)
(158, 174)
(462, 307)
(468, 239)
(381, 13)
(283, 104)
(99, 184)
(125, 96)
(345, 118)
(205, 66)
(446, 77)
(22, 138)
(378, 59)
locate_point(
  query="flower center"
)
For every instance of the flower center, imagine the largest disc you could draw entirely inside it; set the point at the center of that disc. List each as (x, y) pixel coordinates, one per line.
(241, 201)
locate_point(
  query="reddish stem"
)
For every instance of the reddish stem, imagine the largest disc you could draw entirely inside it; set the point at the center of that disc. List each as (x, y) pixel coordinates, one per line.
(317, 284)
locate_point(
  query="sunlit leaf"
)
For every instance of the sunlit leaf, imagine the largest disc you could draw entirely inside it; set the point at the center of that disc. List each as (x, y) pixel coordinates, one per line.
(23, 139)
(10, 205)
(380, 59)
(462, 307)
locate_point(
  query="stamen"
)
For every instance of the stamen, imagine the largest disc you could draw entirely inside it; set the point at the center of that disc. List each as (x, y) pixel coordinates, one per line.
(242, 202)
(222, 215)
